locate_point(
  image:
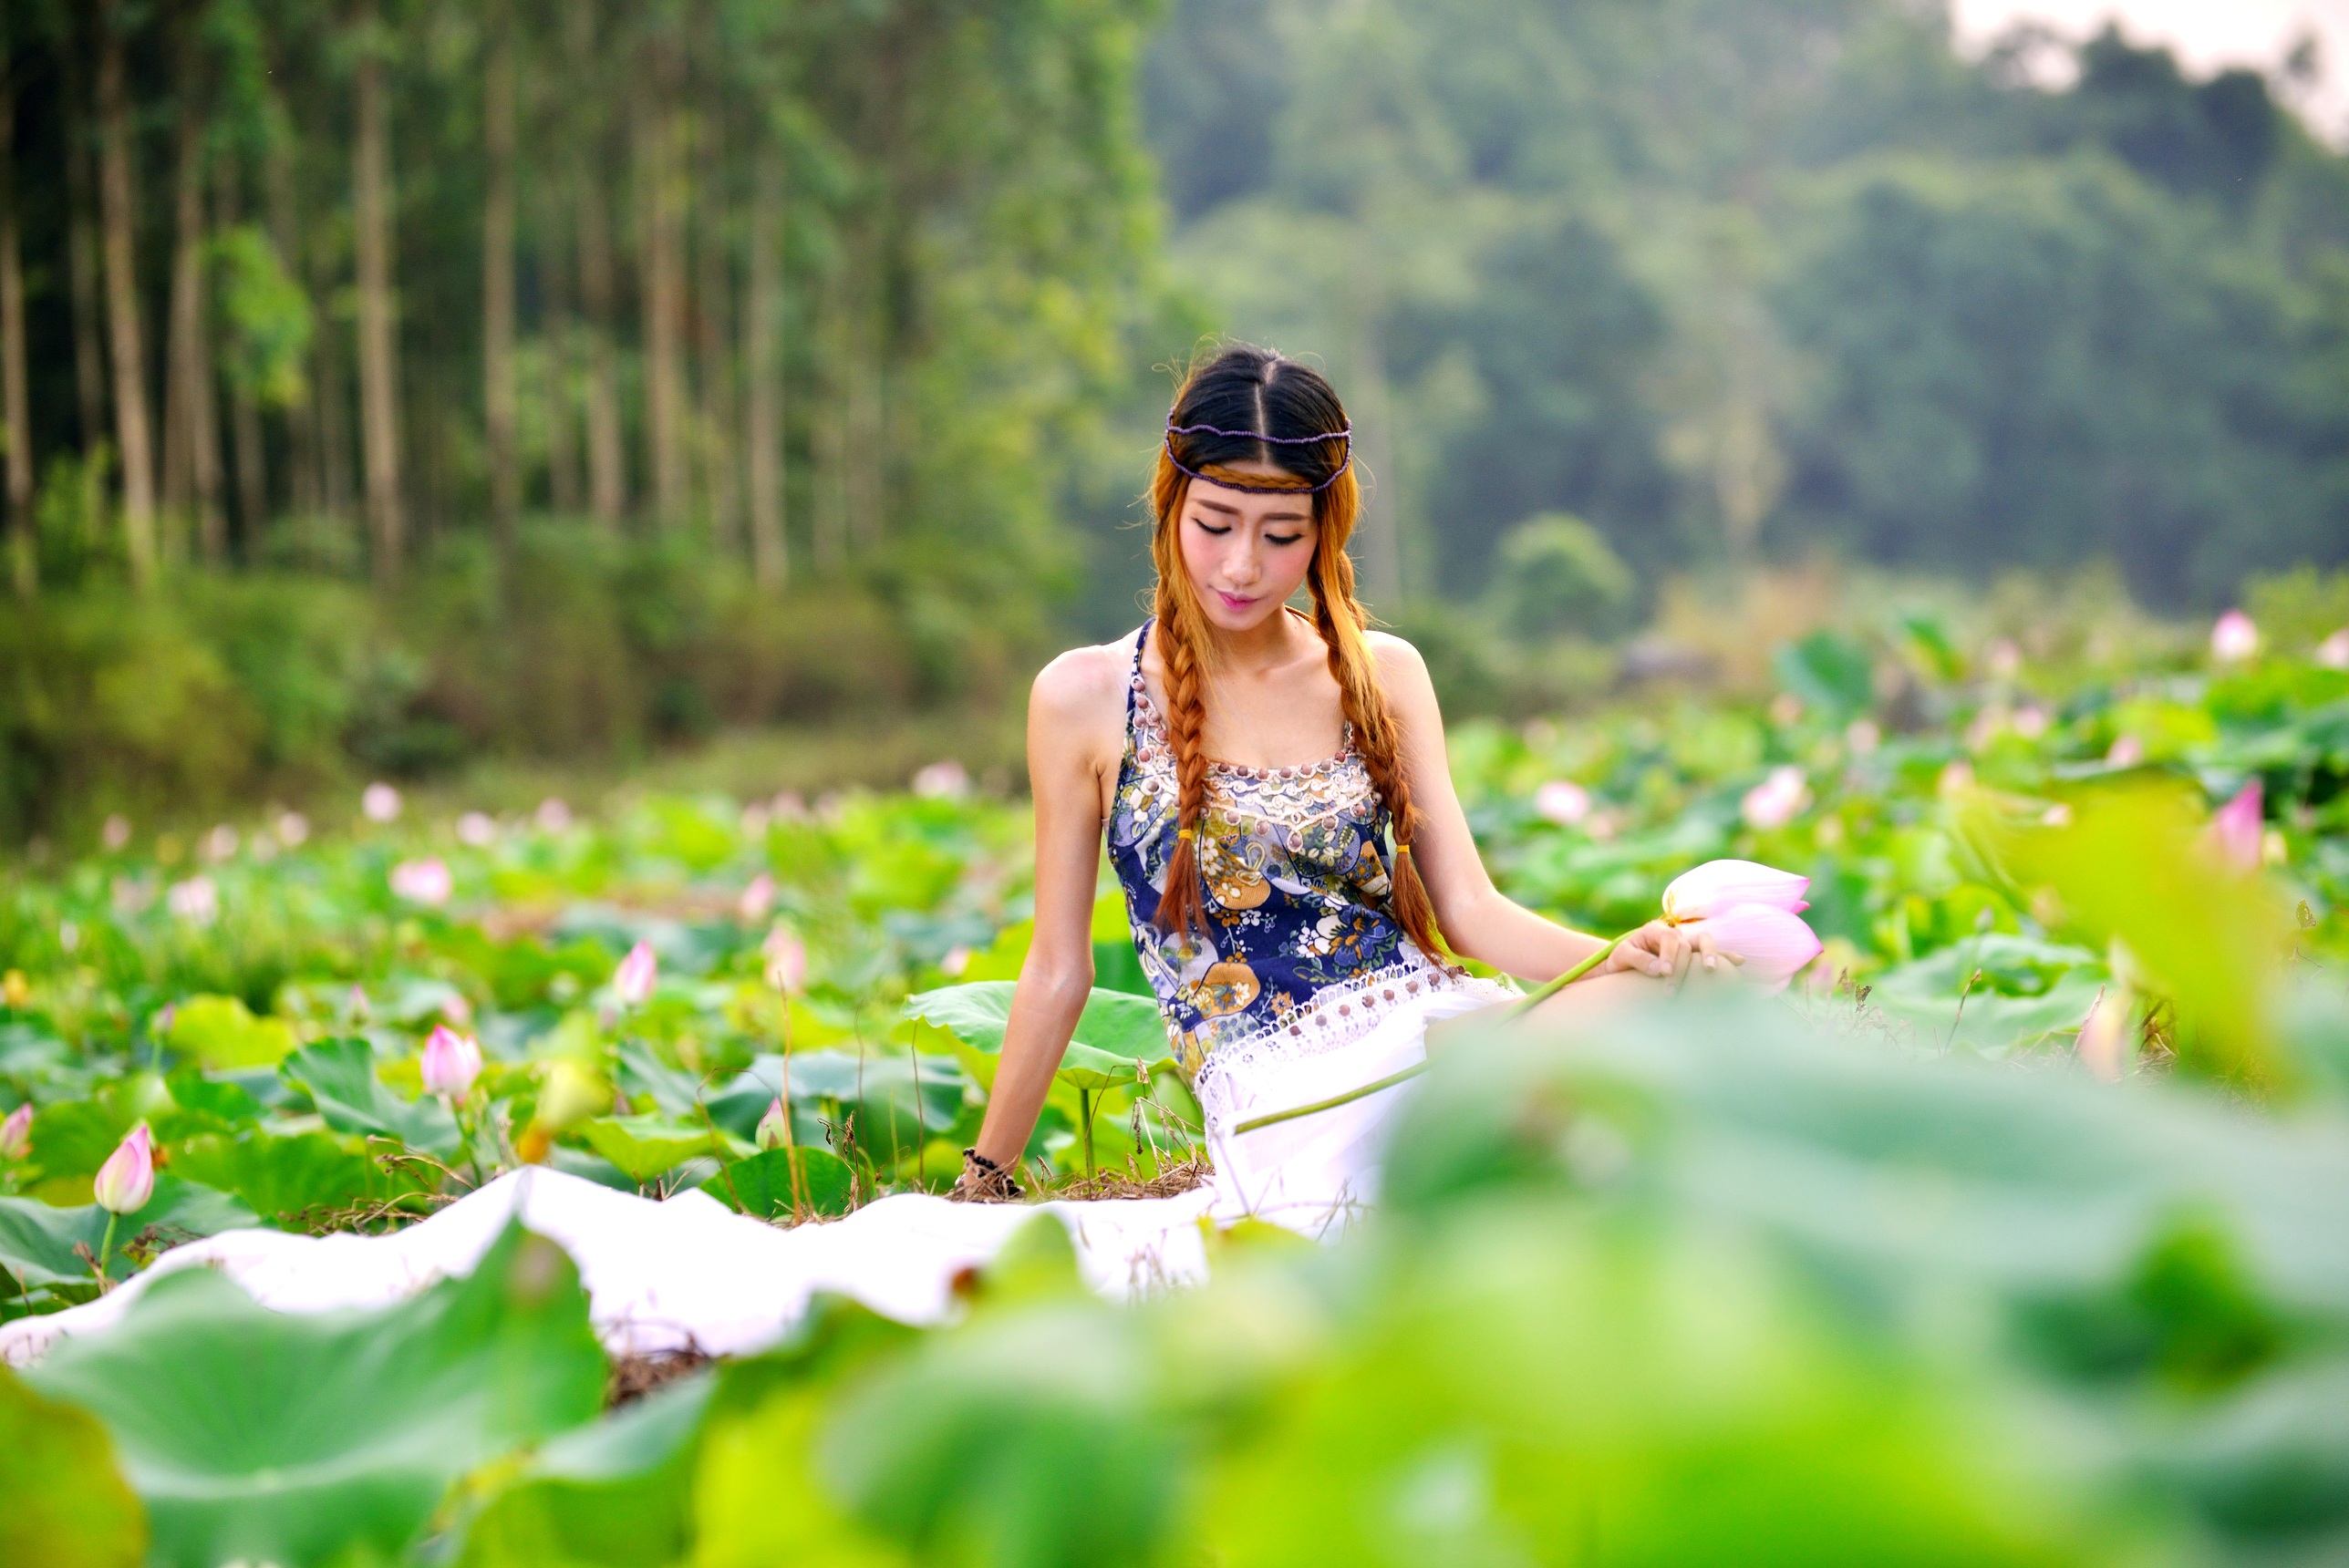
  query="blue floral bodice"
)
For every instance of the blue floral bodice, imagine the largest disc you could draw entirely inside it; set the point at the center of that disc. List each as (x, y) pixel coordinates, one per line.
(1301, 953)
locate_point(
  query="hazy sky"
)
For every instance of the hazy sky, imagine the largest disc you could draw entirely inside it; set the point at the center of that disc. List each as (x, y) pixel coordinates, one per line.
(2205, 33)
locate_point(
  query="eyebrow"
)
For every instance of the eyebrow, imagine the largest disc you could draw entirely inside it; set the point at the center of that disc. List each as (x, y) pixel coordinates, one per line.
(1206, 505)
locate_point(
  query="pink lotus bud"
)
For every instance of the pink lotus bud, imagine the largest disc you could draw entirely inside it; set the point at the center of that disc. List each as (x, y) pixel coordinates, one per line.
(757, 898)
(127, 1180)
(954, 961)
(116, 834)
(786, 960)
(2104, 1036)
(379, 802)
(1718, 885)
(2234, 637)
(2333, 651)
(196, 900)
(2127, 751)
(552, 816)
(946, 780)
(476, 830)
(774, 1128)
(2005, 659)
(1562, 801)
(632, 982)
(2235, 829)
(451, 1062)
(1777, 799)
(1774, 943)
(16, 1133)
(425, 881)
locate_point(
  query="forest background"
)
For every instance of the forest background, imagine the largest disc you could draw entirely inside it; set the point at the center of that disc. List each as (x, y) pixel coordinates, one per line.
(396, 384)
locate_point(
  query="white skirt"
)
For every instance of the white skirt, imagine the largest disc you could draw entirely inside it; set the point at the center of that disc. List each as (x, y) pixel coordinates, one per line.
(689, 1274)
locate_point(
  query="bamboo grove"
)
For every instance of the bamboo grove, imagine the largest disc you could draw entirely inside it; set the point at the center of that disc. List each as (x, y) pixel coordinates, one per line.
(324, 286)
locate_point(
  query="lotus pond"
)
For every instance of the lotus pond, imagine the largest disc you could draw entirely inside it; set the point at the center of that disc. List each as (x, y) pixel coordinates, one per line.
(2017, 1232)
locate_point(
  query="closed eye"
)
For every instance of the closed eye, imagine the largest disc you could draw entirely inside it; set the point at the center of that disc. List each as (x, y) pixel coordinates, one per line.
(1282, 538)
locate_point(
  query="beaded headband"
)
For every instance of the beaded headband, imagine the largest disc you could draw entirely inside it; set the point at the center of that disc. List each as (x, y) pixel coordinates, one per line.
(1346, 435)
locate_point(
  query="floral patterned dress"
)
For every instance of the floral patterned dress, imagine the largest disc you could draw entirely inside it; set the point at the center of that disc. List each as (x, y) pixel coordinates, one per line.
(1302, 956)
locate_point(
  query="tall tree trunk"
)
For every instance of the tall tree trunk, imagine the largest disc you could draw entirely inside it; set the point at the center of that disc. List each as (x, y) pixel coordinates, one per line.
(306, 489)
(82, 253)
(762, 433)
(122, 216)
(608, 460)
(378, 369)
(660, 244)
(497, 277)
(192, 473)
(562, 417)
(828, 422)
(15, 406)
(715, 340)
(243, 411)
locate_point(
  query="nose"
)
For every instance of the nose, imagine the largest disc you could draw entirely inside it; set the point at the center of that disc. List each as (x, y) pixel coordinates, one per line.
(1241, 567)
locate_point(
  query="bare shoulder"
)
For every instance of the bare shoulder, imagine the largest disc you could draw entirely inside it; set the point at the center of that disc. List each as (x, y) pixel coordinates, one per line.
(1082, 691)
(1401, 672)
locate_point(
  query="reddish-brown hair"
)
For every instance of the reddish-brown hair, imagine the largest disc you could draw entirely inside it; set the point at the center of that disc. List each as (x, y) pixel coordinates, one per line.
(1243, 388)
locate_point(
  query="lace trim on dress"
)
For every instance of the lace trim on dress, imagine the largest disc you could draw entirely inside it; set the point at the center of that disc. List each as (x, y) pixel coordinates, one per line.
(1333, 1016)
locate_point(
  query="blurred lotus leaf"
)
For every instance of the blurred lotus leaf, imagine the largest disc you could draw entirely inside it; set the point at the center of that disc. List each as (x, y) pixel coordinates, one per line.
(645, 1146)
(260, 1436)
(1829, 671)
(282, 1177)
(615, 1494)
(338, 1076)
(67, 1505)
(221, 1032)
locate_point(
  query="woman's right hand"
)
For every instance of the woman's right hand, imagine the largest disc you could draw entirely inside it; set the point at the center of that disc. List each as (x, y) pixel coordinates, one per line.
(1662, 951)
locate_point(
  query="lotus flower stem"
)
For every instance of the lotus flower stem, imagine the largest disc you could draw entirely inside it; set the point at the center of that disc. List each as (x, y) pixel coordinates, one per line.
(1535, 998)
(105, 1247)
(1531, 1000)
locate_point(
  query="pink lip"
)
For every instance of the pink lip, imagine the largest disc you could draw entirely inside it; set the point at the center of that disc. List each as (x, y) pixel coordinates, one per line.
(1233, 601)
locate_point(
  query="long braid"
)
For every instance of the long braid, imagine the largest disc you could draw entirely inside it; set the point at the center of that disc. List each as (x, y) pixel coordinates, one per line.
(1183, 649)
(1340, 619)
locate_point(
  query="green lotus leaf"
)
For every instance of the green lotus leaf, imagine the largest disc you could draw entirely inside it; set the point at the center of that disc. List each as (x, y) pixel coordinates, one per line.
(339, 1077)
(37, 1239)
(613, 1495)
(67, 1505)
(761, 1186)
(258, 1436)
(282, 1176)
(221, 1032)
(645, 1146)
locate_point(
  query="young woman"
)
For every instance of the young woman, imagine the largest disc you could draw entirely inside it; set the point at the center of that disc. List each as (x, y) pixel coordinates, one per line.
(1273, 786)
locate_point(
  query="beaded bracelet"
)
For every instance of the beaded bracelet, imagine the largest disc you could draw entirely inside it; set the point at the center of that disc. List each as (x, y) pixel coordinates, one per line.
(985, 1182)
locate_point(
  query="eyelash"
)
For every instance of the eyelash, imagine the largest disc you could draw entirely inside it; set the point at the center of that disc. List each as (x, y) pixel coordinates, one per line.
(1272, 539)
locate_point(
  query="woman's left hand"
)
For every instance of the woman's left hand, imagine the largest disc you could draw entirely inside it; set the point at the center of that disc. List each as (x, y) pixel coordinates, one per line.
(1662, 951)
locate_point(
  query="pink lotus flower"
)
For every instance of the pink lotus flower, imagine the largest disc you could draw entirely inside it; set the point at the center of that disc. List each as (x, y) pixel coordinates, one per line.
(476, 830)
(757, 898)
(379, 802)
(2236, 829)
(196, 900)
(1717, 886)
(2234, 637)
(1563, 801)
(425, 881)
(2333, 651)
(775, 1126)
(552, 816)
(2127, 751)
(786, 960)
(451, 1062)
(632, 982)
(1773, 943)
(16, 1133)
(127, 1180)
(1776, 800)
(947, 780)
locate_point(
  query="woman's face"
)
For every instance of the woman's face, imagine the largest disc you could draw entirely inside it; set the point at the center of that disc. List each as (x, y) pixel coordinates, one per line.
(1246, 550)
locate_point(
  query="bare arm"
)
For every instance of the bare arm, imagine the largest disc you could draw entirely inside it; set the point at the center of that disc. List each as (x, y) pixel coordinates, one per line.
(1075, 727)
(1476, 918)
